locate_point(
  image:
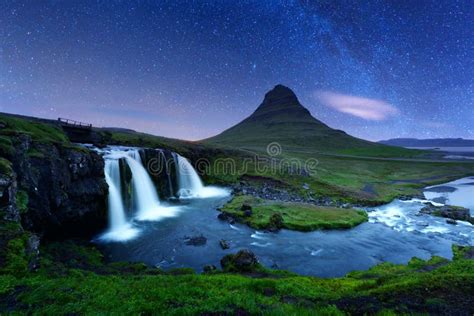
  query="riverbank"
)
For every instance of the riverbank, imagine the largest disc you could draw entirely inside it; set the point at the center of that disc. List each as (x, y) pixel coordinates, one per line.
(73, 279)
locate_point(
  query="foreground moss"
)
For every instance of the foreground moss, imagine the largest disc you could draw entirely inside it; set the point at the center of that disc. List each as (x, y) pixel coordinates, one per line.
(295, 216)
(74, 280)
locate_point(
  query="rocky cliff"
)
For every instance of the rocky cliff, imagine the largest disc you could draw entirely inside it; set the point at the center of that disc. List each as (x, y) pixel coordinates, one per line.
(54, 188)
(65, 188)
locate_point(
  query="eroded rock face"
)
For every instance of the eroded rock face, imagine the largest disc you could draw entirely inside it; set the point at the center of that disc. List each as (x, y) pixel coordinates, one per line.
(65, 186)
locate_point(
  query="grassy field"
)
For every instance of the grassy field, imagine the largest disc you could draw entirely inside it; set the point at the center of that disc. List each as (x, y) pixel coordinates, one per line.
(74, 280)
(295, 216)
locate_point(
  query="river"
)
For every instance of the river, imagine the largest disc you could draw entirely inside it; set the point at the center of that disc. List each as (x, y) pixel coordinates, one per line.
(395, 233)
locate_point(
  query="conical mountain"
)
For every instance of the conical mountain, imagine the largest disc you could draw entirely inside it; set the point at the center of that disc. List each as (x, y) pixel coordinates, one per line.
(281, 118)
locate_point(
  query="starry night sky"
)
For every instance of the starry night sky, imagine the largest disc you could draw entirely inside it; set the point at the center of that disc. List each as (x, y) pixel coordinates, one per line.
(190, 69)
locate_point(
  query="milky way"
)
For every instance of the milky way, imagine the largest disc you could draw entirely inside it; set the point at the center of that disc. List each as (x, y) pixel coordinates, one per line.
(190, 69)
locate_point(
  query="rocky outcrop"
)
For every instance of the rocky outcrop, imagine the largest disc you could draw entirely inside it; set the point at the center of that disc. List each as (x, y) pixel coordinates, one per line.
(8, 191)
(275, 222)
(243, 261)
(65, 188)
(448, 211)
(19, 249)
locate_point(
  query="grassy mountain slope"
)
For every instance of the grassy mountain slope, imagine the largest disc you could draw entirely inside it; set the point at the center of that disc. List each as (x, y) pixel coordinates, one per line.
(281, 118)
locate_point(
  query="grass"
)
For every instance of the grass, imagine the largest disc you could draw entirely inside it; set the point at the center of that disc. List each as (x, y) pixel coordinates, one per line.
(38, 131)
(5, 167)
(22, 201)
(296, 216)
(74, 280)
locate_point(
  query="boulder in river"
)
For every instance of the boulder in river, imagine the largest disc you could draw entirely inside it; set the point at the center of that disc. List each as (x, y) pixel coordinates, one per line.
(448, 211)
(226, 217)
(243, 261)
(451, 221)
(224, 244)
(196, 240)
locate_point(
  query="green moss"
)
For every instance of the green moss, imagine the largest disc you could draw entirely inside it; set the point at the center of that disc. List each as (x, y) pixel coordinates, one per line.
(15, 258)
(460, 252)
(97, 287)
(22, 201)
(296, 216)
(6, 147)
(5, 167)
(39, 131)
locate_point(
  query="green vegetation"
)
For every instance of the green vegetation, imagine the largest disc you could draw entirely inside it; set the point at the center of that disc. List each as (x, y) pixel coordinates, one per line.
(295, 216)
(74, 280)
(37, 130)
(6, 146)
(5, 166)
(22, 201)
(13, 244)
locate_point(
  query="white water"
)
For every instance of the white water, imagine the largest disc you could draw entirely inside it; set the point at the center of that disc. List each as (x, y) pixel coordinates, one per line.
(405, 216)
(463, 194)
(190, 184)
(119, 228)
(145, 197)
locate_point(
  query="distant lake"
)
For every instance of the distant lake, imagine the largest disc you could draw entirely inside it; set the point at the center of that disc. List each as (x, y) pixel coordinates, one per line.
(449, 149)
(455, 152)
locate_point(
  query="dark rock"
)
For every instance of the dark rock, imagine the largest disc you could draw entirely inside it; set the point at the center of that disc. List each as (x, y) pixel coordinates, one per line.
(447, 211)
(246, 207)
(243, 261)
(226, 217)
(161, 167)
(32, 252)
(451, 221)
(66, 189)
(196, 241)
(8, 191)
(248, 213)
(275, 222)
(224, 244)
(209, 268)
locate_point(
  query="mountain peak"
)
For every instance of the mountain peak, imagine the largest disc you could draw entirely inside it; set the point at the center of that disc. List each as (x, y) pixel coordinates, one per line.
(280, 92)
(281, 118)
(281, 101)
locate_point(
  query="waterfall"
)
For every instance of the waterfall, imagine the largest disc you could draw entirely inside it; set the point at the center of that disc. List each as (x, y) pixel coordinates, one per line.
(116, 209)
(119, 228)
(145, 198)
(190, 184)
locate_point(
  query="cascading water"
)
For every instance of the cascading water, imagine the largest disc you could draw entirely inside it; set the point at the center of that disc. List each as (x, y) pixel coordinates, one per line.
(117, 212)
(119, 228)
(145, 199)
(190, 184)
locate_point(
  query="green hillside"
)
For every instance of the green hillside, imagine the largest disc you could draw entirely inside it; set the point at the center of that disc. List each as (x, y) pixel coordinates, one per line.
(281, 118)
